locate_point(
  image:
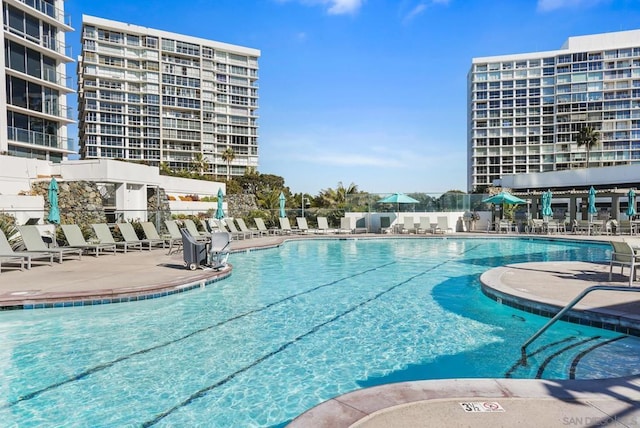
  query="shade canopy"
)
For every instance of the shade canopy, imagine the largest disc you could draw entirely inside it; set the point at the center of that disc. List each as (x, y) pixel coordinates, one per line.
(631, 208)
(54, 209)
(220, 210)
(282, 200)
(504, 198)
(398, 198)
(546, 204)
(592, 201)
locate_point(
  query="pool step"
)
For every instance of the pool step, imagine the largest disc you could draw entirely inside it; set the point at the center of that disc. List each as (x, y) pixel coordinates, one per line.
(595, 356)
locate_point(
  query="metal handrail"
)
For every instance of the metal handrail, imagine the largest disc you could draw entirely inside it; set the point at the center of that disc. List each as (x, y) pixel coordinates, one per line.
(564, 310)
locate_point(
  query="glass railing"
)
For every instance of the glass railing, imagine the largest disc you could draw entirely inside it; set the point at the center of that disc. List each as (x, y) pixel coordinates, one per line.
(49, 10)
(39, 138)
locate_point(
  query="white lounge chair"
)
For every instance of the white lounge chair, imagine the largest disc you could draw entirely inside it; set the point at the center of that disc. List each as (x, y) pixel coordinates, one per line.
(33, 242)
(385, 224)
(442, 225)
(251, 233)
(174, 234)
(303, 226)
(408, 225)
(129, 234)
(193, 230)
(7, 252)
(75, 239)
(624, 255)
(323, 225)
(235, 233)
(150, 232)
(346, 225)
(285, 226)
(262, 228)
(104, 235)
(425, 225)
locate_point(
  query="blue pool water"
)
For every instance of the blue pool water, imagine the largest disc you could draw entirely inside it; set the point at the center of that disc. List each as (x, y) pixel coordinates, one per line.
(292, 327)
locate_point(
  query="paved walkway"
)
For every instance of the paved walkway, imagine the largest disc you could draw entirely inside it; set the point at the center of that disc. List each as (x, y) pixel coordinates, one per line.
(409, 404)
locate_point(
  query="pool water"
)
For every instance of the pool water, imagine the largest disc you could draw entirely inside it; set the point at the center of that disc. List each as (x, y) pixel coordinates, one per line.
(292, 327)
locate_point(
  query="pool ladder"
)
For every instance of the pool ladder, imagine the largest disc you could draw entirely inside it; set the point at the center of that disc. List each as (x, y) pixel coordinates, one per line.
(570, 305)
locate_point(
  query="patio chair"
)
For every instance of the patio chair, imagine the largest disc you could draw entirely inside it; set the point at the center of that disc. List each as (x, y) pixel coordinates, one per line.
(408, 225)
(7, 251)
(346, 225)
(33, 242)
(75, 239)
(442, 225)
(150, 232)
(193, 230)
(425, 225)
(174, 235)
(249, 232)
(303, 226)
(385, 224)
(623, 255)
(235, 233)
(262, 228)
(285, 226)
(104, 235)
(129, 234)
(323, 225)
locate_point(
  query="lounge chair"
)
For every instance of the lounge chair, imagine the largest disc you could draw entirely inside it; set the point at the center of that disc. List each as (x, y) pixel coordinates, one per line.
(6, 251)
(262, 228)
(19, 261)
(624, 255)
(150, 232)
(235, 233)
(174, 235)
(193, 230)
(303, 227)
(425, 225)
(33, 242)
(129, 234)
(323, 225)
(75, 238)
(442, 225)
(385, 224)
(285, 226)
(244, 229)
(104, 235)
(346, 225)
(408, 225)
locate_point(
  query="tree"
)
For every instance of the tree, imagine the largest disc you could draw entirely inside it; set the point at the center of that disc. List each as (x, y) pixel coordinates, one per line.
(336, 198)
(228, 156)
(199, 164)
(588, 137)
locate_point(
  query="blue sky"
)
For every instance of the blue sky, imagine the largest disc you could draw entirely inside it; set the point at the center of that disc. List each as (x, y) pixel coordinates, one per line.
(371, 92)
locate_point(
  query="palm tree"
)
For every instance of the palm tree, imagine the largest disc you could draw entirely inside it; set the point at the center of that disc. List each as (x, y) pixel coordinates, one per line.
(588, 137)
(337, 197)
(228, 156)
(199, 163)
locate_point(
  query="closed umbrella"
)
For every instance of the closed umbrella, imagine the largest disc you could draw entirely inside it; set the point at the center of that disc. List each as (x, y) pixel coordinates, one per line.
(546, 204)
(592, 202)
(54, 210)
(220, 210)
(631, 208)
(282, 200)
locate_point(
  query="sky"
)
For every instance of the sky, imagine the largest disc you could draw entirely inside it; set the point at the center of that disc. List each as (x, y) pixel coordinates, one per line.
(369, 92)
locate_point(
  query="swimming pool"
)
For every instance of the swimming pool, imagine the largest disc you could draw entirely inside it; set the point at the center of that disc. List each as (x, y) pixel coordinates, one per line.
(292, 327)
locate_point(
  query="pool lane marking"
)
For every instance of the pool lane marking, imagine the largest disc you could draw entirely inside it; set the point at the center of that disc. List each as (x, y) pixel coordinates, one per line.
(204, 391)
(106, 365)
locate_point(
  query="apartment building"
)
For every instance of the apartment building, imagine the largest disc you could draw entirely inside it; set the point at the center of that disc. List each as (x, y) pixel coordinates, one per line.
(34, 101)
(166, 99)
(525, 110)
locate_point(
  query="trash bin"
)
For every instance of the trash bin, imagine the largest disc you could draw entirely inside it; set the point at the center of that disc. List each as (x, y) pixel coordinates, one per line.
(195, 253)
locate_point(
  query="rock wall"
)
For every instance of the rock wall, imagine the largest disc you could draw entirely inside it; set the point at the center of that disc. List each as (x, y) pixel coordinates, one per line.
(80, 202)
(240, 205)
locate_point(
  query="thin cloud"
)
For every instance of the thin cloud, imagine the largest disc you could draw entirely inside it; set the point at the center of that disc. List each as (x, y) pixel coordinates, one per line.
(420, 8)
(334, 7)
(551, 5)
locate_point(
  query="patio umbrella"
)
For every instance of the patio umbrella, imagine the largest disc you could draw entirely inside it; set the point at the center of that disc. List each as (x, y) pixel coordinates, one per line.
(282, 199)
(398, 198)
(631, 208)
(546, 204)
(504, 198)
(592, 201)
(54, 210)
(219, 210)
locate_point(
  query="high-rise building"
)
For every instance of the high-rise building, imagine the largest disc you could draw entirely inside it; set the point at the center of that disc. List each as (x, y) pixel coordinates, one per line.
(525, 110)
(34, 102)
(163, 98)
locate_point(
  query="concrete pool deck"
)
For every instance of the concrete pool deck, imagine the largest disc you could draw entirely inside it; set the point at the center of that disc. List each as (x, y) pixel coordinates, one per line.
(450, 402)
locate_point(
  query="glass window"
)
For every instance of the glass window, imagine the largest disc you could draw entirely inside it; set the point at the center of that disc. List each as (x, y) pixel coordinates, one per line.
(32, 26)
(16, 57)
(33, 63)
(18, 92)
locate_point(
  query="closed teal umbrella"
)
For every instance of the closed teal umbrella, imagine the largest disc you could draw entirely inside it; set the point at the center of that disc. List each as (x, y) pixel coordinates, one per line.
(592, 201)
(546, 204)
(220, 210)
(54, 210)
(282, 199)
(631, 208)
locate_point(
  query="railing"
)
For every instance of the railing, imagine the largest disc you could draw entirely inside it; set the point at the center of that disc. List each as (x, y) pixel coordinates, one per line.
(39, 138)
(523, 348)
(49, 10)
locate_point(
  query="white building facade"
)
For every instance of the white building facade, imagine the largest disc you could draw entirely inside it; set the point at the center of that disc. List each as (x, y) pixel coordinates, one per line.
(34, 101)
(158, 97)
(525, 110)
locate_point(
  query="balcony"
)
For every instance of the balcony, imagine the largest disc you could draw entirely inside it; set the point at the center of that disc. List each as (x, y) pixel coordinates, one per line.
(49, 10)
(39, 139)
